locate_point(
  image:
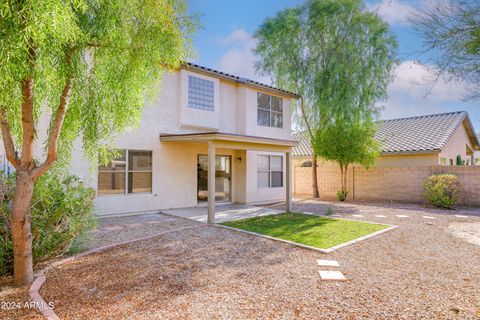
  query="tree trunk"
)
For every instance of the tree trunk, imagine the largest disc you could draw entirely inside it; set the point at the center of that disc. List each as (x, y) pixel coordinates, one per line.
(316, 194)
(21, 230)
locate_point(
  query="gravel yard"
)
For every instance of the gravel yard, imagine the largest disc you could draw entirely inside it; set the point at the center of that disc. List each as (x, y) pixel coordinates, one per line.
(417, 271)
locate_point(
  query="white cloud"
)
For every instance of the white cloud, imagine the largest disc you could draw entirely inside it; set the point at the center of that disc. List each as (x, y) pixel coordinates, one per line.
(392, 11)
(417, 89)
(240, 59)
(235, 37)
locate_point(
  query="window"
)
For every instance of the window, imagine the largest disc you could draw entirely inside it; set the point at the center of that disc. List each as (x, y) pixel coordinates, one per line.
(269, 110)
(111, 178)
(130, 172)
(269, 171)
(443, 161)
(200, 93)
(139, 171)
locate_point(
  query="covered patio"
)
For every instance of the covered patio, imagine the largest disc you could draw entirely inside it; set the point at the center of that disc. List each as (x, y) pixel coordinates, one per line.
(223, 213)
(221, 141)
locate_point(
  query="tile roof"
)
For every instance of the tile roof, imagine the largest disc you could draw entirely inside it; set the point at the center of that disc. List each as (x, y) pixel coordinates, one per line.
(189, 65)
(422, 134)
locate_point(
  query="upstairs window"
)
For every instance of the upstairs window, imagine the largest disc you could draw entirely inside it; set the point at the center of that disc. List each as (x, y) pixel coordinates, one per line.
(200, 93)
(269, 110)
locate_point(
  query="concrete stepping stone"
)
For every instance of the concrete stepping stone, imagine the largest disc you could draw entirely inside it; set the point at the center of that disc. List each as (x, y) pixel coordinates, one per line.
(337, 215)
(402, 216)
(357, 215)
(460, 216)
(429, 217)
(153, 222)
(332, 276)
(380, 216)
(328, 263)
(113, 228)
(134, 225)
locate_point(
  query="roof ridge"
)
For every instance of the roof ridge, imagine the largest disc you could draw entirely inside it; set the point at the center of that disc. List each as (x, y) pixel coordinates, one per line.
(425, 116)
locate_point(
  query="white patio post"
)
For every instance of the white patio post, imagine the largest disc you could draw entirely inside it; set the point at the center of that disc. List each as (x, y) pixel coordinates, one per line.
(288, 184)
(211, 182)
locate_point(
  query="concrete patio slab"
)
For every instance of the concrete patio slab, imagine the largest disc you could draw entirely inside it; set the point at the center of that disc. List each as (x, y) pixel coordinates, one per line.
(429, 217)
(223, 213)
(328, 263)
(460, 216)
(380, 216)
(332, 275)
(401, 216)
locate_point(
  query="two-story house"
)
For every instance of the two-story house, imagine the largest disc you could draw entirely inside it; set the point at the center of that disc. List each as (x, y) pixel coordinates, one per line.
(209, 137)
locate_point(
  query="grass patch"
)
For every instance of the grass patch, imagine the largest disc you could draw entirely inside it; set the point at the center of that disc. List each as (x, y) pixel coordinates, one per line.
(306, 229)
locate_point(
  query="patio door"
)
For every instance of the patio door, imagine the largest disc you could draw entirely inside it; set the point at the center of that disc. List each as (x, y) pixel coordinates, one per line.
(223, 178)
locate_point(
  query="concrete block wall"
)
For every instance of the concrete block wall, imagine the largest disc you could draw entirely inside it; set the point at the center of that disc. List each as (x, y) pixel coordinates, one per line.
(386, 183)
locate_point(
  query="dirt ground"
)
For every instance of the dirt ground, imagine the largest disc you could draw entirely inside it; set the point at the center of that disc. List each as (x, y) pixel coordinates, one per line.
(420, 270)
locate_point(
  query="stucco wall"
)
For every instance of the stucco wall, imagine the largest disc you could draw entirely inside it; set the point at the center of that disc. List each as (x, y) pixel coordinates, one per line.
(407, 160)
(457, 145)
(174, 168)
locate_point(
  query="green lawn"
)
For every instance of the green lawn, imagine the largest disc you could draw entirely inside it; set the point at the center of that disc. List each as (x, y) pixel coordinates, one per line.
(315, 231)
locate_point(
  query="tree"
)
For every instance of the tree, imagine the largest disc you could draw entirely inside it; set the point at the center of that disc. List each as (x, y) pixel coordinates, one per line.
(88, 65)
(348, 141)
(335, 54)
(451, 37)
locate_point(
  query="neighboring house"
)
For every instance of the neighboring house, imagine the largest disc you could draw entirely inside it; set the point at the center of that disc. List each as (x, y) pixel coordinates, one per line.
(437, 139)
(202, 119)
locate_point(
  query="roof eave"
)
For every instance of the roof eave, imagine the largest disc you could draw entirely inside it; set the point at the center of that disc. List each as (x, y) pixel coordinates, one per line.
(410, 152)
(243, 81)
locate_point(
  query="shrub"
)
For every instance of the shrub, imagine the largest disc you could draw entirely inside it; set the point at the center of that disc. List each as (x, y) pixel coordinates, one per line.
(62, 212)
(442, 190)
(342, 195)
(329, 211)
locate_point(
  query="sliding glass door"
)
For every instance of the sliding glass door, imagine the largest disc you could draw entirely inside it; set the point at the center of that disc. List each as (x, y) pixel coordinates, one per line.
(223, 178)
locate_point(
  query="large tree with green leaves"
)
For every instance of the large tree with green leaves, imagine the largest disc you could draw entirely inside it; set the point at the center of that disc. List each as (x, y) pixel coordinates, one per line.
(334, 53)
(451, 38)
(348, 140)
(88, 65)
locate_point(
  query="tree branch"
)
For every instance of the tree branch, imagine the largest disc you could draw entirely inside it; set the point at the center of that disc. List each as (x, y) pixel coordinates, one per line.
(8, 140)
(28, 125)
(52, 153)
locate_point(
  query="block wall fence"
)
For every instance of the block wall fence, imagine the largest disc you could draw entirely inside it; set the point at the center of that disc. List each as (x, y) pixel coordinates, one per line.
(387, 183)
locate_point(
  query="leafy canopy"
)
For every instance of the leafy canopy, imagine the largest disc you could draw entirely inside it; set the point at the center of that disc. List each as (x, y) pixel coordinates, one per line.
(451, 36)
(114, 51)
(335, 54)
(348, 142)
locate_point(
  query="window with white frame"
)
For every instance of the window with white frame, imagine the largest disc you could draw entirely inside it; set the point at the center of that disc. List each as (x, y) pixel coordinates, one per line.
(130, 172)
(269, 171)
(269, 110)
(200, 93)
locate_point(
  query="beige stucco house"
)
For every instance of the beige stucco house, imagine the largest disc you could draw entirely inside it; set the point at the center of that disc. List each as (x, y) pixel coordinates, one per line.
(437, 139)
(209, 137)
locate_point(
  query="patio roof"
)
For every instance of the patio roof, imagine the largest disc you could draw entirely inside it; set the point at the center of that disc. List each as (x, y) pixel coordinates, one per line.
(226, 137)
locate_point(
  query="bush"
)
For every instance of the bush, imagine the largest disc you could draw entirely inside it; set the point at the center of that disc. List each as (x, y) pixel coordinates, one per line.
(442, 190)
(62, 212)
(342, 195)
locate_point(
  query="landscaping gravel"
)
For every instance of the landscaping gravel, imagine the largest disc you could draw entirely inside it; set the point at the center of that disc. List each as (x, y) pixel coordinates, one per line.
(417, 271)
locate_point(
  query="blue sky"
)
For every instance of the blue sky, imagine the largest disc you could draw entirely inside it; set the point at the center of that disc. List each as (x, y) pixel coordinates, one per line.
(225, 42)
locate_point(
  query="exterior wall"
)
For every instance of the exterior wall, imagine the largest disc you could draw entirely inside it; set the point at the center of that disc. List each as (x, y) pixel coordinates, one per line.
(407, 160)
(174, 165)
(387, 183)
(457, 145)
